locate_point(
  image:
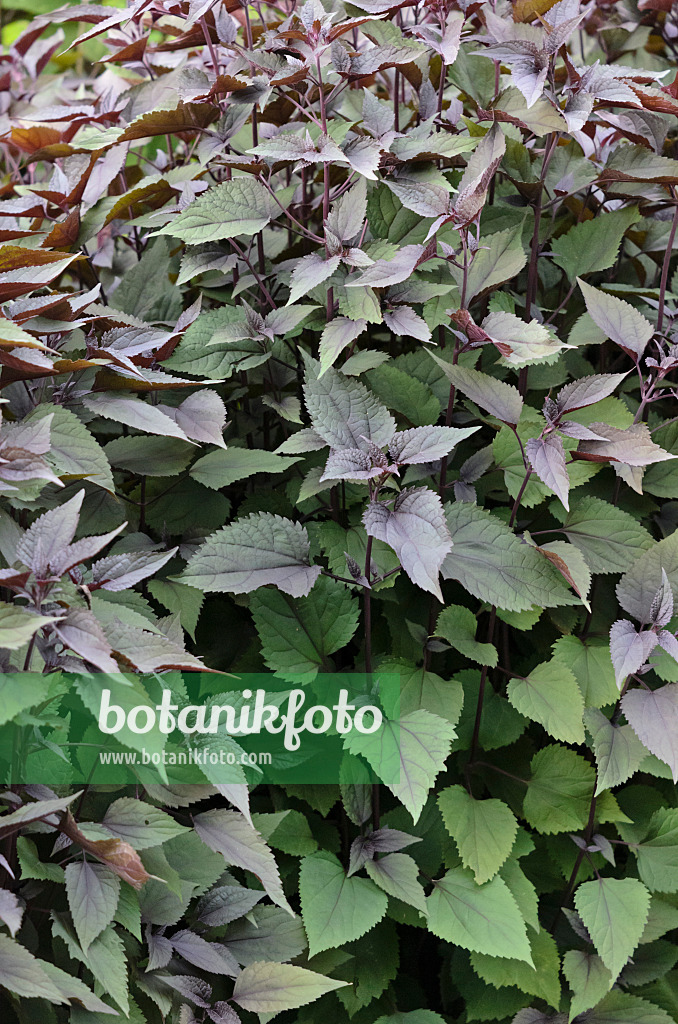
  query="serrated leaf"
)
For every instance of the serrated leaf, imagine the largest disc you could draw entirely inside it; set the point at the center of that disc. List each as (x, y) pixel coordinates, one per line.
(213, 957)
(338, 335)
(494, 565)
(310, 271)
(653, 716)
(408, 754)
(609, 538)
(335, 908)
(484, 830)
(629, 648)
(614, 912)
(657, 854)
(133, 412)
(93, 893)
(550, 695)
(617, 750)
(267, 988)
(593, 244)
(547, 457)
(260, 549)
(624, 1008)
(222, 468)
(541, 980)
(619, 320)
(458, 626)
(500, 257)
(241, 206)
(495, 396)
(140, 824)
(229, 833)
(587, 390)
(17, 626)
(299, 636)
(344, 412)
(559, 791)
(481, 918)
(24, 974)
(632, 446)
(426, 444)
(416, 530)
(589, 979)
(397, 874)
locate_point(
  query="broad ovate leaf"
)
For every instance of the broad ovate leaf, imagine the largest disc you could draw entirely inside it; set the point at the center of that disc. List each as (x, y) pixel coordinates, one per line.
(260, 549)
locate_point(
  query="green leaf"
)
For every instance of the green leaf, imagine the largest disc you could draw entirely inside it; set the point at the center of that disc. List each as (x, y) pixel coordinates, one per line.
(614, 912)
(133, 412)
(421, 689)
(484, 830)
(589, 979)
(541, 980)
(493, 564)
(24, 974)
(499, 257)
(105, 958)
(624, 1008)
(495, 396)
(17, 626)
(260, 549)
(480, 918)
(593, 245)
(592, 667)
(620, 321)
(609, 538)
(267, 933)
(397, 874)
(617, 749)
(335, 908)
(73, 450)
(559, 791)
(407, 754)
(412, 1017)
(272, 988)
(297, 637)
(93, 892)
(500, 723)
(550, 695)
(224, 466)
(34, 811)
(458, 625)
(140, 824)
(658, 852)
(241, 206)
(149, 456)
(404, 394)
(31, 865)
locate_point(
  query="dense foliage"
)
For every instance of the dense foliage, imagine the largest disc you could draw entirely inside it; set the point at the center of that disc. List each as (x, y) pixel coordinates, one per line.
(339, 337)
